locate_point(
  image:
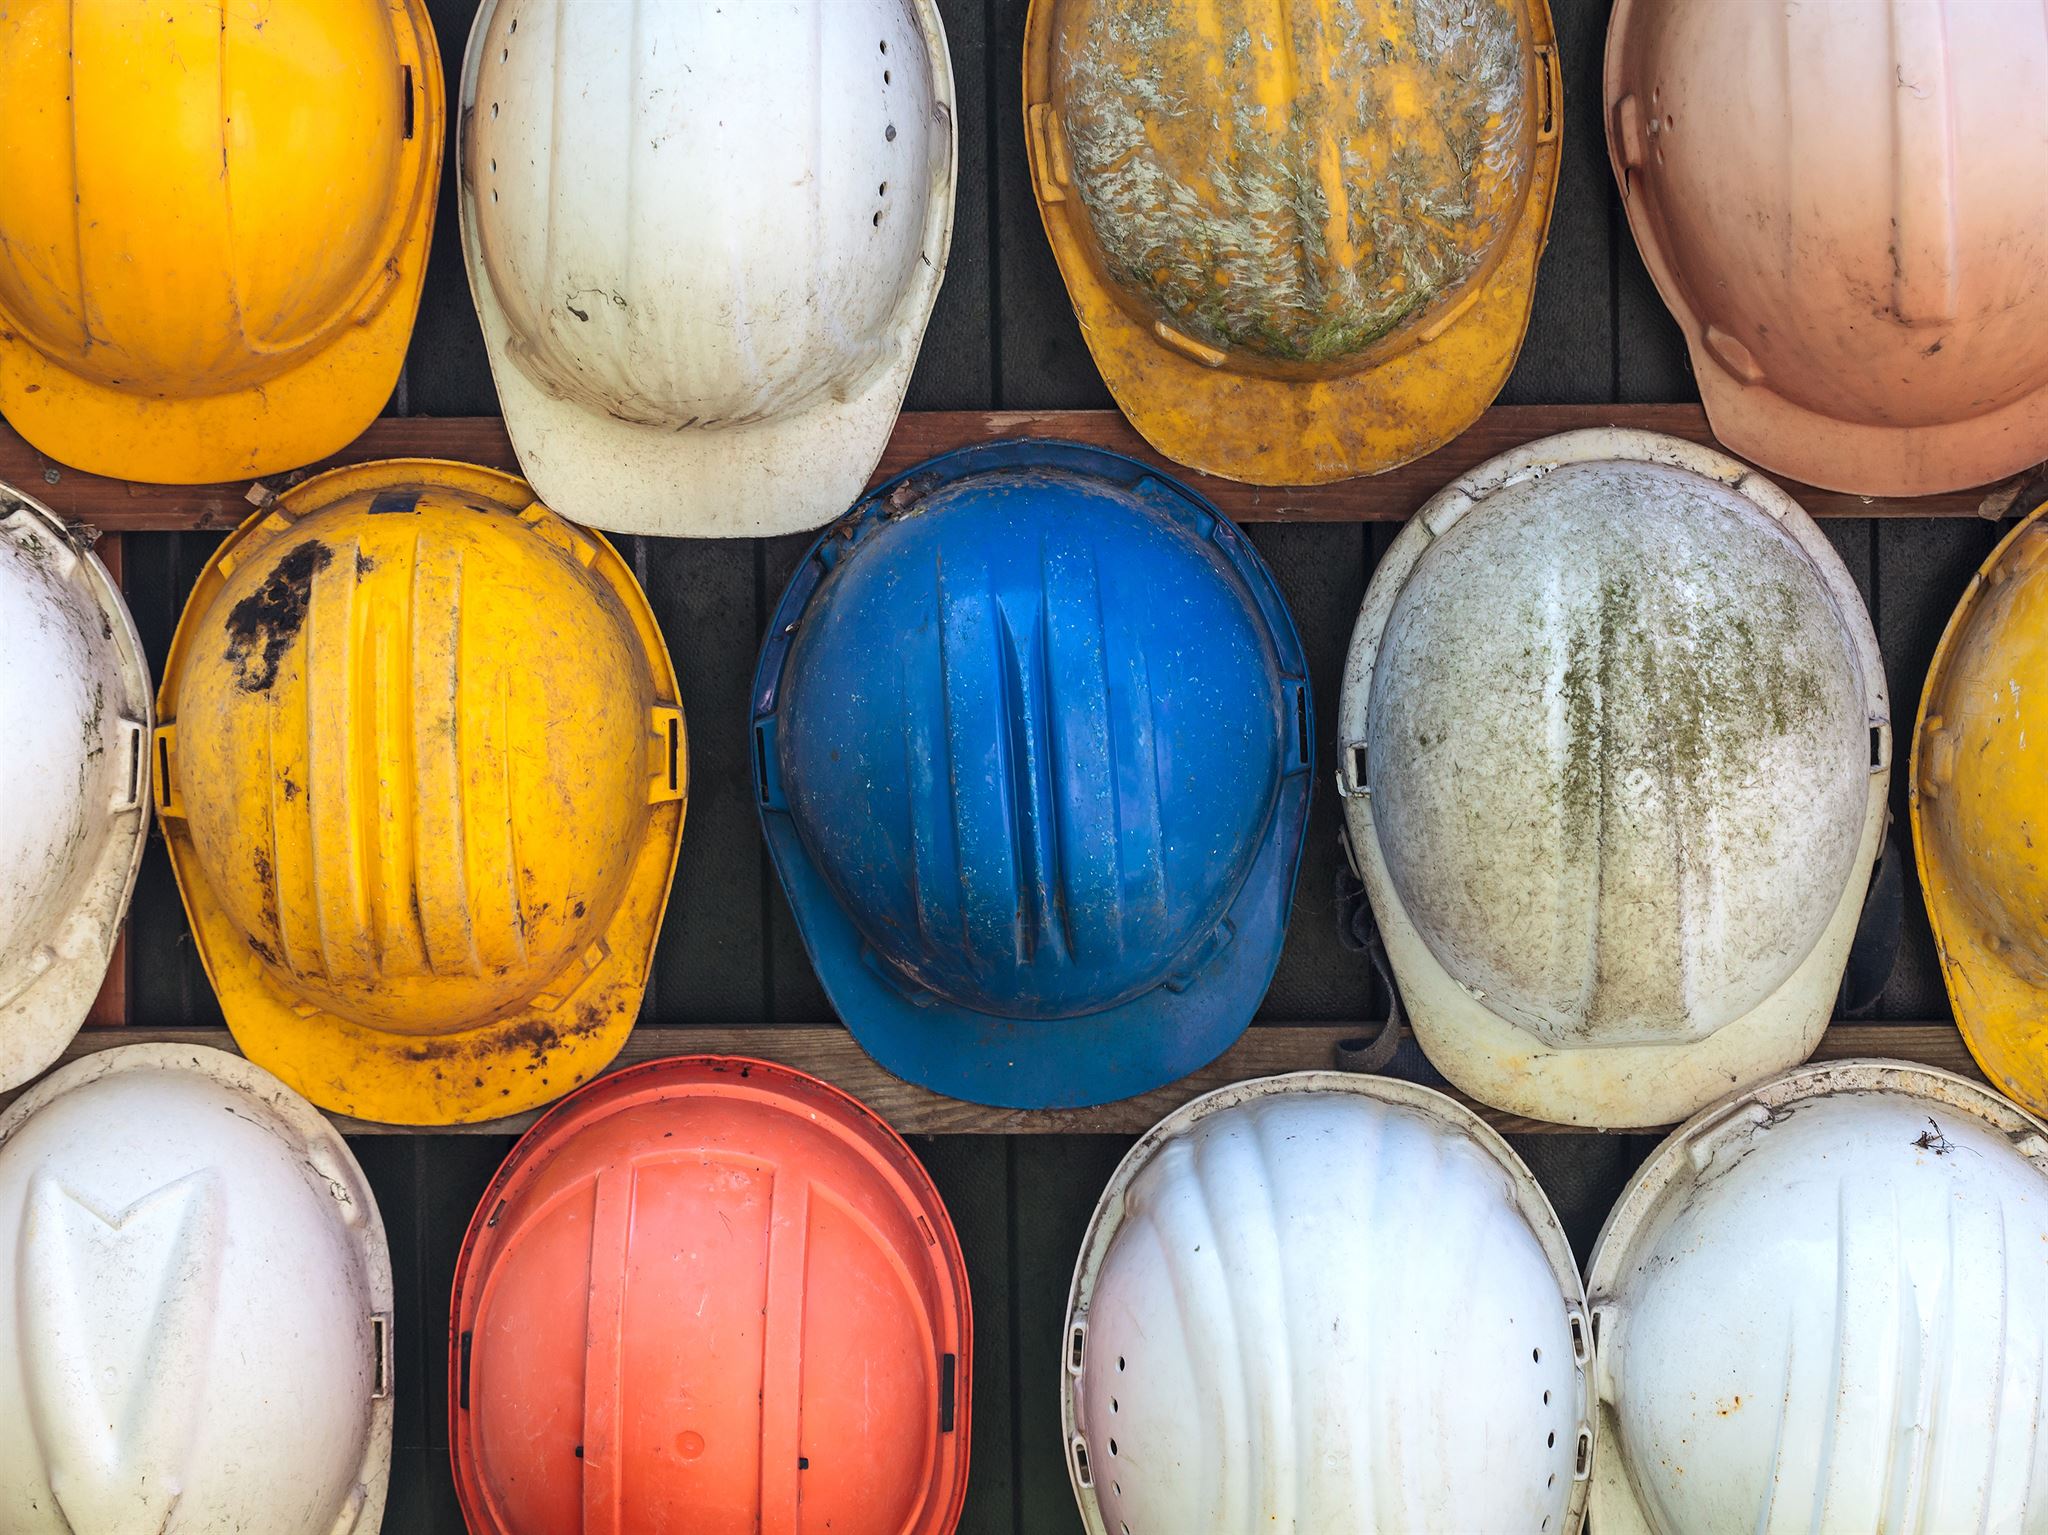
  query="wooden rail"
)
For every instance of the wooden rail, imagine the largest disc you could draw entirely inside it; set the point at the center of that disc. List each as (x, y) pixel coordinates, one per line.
(119, 505)
(830, 1052)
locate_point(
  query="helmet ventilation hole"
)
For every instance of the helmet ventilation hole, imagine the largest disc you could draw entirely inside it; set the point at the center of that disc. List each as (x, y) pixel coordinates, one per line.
(885, 45)
(889, 133)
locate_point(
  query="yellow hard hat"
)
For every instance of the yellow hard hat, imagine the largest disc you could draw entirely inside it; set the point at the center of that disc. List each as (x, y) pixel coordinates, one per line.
(1980, 812)
(214, 226)
(421, 769)
(1301, 246)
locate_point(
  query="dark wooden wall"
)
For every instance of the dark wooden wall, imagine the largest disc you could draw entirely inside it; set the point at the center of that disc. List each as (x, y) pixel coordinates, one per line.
(1004, 337)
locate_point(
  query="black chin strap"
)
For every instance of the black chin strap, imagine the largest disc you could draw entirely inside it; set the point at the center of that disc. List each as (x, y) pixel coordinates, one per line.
(1358, 932)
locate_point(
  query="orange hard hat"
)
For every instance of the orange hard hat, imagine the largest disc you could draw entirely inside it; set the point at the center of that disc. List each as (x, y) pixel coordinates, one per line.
(1845, 207)
(708, 1296)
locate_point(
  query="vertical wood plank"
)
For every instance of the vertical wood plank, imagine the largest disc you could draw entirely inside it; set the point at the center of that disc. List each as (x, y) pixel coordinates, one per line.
(1583, 1176)
(1323, 580)
(455, 1171)
(1919, 572)
(1041, 361)
(1651, 363)
(709, 966)
(1055, 1184)
(1568, 355)
(956, 366)
(794, 992)
(447, 372)
(972, 1175)
(167, 983)
(395, 1166)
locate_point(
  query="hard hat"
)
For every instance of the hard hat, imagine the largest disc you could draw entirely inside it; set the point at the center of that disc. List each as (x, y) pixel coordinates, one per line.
(421, 769)
(1978, 796)
(704, 1294)
(75, 697)
(1846, 208)
(1032, 749)
(704, 240)
(1326, 1302)
(198, 1299)
(1301, 244)
(215, 226)
(1819, 1307)
(1614, 755)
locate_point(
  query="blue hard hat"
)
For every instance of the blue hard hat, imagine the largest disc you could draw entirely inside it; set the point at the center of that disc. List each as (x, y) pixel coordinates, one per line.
(1031, 732)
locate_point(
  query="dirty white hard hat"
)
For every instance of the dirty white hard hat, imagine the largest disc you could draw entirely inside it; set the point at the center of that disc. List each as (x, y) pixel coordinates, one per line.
(1614, 747)
(1325, 1302)
(74, 696)
(1821, 1305)
(704, 241)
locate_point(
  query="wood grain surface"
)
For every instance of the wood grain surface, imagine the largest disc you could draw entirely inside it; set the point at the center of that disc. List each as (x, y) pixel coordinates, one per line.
(125, 506)
(830, 1052)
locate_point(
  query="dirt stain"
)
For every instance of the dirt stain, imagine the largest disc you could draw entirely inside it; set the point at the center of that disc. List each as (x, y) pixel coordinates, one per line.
(262, 626)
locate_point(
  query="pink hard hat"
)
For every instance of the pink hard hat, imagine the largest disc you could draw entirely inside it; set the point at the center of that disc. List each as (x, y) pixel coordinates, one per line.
(1846, 207)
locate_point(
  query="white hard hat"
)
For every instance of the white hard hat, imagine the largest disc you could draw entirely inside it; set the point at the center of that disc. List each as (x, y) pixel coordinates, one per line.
(74, 728)
(1614, 751)
(704, 241)
(196, 1299)
(1823, 1306)
(1320, 1303)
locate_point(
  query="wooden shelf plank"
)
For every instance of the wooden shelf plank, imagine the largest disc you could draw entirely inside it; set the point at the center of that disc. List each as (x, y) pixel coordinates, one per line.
(119, 505)
(830, 1052)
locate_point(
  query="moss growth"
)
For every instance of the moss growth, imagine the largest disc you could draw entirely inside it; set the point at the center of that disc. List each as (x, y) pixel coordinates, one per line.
(1228, 222)
(1714, 683)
